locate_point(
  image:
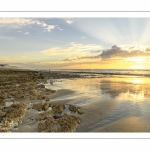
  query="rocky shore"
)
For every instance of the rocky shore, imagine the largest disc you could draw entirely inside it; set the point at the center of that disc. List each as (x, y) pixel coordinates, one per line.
(25, 104)
(60, 75)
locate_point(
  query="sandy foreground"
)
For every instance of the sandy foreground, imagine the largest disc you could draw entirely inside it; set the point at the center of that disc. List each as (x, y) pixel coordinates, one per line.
(34, 101)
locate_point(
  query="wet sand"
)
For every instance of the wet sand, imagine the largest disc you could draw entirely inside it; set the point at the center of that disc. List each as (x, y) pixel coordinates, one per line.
(105, 104)
(131, 124)
(110, 104)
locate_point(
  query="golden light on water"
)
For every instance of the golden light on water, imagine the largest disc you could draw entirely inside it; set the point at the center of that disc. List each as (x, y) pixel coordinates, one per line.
(137, 81)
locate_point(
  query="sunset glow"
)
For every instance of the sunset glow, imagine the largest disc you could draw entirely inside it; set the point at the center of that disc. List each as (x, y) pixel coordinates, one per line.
(136, 59)
(75, 43)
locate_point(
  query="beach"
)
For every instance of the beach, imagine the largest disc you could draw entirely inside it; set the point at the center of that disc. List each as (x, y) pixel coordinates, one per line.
(110, 102)
(67, 101)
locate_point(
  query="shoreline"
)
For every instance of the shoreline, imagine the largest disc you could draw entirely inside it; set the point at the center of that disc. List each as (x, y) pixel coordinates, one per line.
(25, 105)
(76, 74)
(95, 114)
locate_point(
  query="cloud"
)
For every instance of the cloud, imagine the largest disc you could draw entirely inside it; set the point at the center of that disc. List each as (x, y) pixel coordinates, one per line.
(4, 59)
(6, 38)
(24, 57)
(44, 24)
(56, 51)
(83, 37)
(65, 64)
(49, 28)
(84, 58)
(72, 54)
(60, 29)
(118, 52)
(147, 49)
(84, 47)
(14, 58)
(26, 33)
(21, 22)
(96, 51)
(69, 21)
(72, 48)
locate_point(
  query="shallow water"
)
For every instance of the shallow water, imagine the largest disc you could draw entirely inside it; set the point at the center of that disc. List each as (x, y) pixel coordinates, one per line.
(110, 71)
(117, 104)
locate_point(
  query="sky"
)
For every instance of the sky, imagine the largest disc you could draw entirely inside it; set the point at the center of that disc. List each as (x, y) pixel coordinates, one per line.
(75, 43)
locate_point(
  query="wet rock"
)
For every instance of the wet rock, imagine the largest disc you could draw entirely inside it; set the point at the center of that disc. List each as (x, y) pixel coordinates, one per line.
(38, 106)
(15, 102)
(50, 129)
(47, 98)
(40, 97)
(47, 125)
(56, 117)
(2, 103)
(73, 108)
(80, 112)
(50, 122)
(33, 97)
(41, 106)
(45, 106)
(41, 76)
(49, 92)
(45, 115)
(58, 109)
(40, 86)
(3, 96)
(41, 126)
(13, 116)
(68, 123)
(19, 85)
(4, 130)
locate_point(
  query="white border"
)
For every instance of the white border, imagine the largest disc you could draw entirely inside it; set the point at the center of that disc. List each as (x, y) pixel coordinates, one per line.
(77, 135)
(75, 14)
(74, 5)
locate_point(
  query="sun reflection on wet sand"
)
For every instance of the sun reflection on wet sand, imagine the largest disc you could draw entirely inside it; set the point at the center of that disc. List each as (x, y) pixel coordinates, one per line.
(133, 89)
(137, 97)
(131, 124)
(130, 97)
(137, 80)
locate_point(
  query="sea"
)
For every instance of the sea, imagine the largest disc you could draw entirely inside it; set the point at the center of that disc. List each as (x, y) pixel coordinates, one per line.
(109, 71)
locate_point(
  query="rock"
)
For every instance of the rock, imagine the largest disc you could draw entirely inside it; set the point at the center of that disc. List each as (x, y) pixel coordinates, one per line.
(45, 115)
(41, 106)
(80, 112)
(2, 103)
(45, 106)
(47, 98)
(40, 86)
(73, 108)
(5, 130)
(68, 123)
(38, 106)
(13, 116)
(58, 109)
(3, 96)
(41, 126)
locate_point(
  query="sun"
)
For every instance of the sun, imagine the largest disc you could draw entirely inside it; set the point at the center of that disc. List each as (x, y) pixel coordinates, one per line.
(138, 59)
